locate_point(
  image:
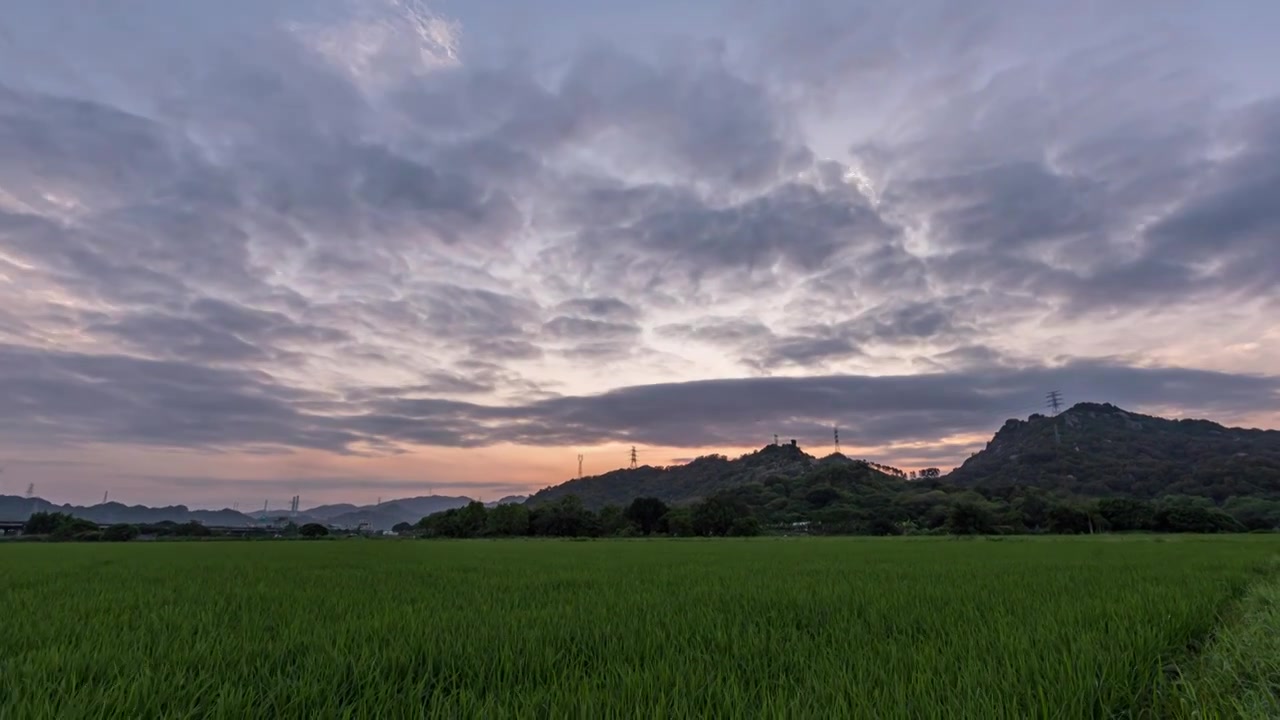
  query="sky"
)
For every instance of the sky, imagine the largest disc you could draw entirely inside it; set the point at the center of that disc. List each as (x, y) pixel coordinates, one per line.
(362, 249)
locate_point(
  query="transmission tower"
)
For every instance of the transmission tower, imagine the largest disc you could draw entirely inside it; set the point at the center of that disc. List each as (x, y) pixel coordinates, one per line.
(31, 490)
(775, 439)
(1054, 401)
(104, 496)
(634, 462)
(835, 431)
(580, 457)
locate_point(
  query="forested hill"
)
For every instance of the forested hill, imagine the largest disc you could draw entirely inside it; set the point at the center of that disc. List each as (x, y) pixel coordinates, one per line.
(1102, 451)
(679, 484)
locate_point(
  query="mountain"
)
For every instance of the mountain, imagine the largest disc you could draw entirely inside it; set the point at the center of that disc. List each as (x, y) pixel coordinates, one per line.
(386, 515)
(379, 517)
(677, 484)
(389, 514)
(1100, 450)
(20, 508)
(508, 500)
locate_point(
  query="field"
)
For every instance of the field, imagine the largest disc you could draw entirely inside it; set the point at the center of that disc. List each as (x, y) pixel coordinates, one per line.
(849, 628)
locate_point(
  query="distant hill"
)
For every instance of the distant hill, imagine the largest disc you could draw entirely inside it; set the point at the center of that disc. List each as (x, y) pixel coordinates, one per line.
(1102, 451)
(508, 500)
(388, 514)
(677, 484)
(379, 517)
(13, 507)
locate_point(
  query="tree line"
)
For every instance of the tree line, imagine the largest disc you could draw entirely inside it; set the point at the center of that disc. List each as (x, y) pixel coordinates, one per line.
(849, 499)
(569, 517)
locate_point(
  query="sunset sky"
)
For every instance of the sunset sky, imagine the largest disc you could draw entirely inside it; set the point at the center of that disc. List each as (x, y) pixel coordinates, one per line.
(351, 249)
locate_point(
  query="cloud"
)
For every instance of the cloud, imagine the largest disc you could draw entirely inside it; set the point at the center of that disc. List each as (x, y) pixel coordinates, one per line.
(52, 398)
(600, 308)
(339, 225)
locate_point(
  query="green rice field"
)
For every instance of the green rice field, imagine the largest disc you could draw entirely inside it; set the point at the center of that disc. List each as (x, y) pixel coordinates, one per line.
(768, 628)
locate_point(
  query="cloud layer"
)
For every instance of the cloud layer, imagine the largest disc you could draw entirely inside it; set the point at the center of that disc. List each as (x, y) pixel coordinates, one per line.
(341, 227)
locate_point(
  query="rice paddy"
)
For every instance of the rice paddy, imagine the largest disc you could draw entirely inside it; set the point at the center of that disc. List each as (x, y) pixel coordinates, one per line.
(803, 628)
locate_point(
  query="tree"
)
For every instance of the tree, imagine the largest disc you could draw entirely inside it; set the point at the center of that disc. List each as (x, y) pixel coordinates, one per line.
(74, 528)
(402, 528)
(473, 519)
(678, 522)
(646, 513)
(45, 523)
(745, 527)
(1067, 519)
(567, 517)
(715, 515)
(313, 530)
(120, 532)
(930, 473)
(613, 521)
(1126, 514)
(509, 520)
(969, 518)
(191, 529)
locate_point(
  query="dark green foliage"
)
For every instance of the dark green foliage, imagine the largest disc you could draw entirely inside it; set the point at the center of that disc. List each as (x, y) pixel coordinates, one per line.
(120, 532)
(1185, 517)
(401, 528)
(46, 523)
(77, 529)
(1127, 514)
(313, 530)
(970, 518)
(613, 521)
(466, 522)
(509, 520)
(567, 517)
(646, 513)
(1066, 519)
(716, 516)
(678, 522)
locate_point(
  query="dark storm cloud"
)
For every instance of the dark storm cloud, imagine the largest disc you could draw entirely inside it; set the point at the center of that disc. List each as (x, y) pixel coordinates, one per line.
(688, 114)
(796, 225)
(876, 410)
(572, 328)
(217, 331)
(600, 308)
(880, 410)
(53, 397)
(61, 397)
(719, 330)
